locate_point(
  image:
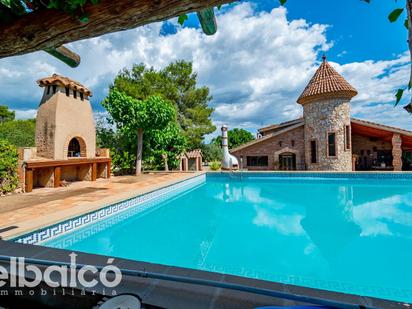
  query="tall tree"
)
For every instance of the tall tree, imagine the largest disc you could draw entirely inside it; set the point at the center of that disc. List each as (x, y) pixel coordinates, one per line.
(138, 116)
(6, 114)
(236, 138)
(176, 83)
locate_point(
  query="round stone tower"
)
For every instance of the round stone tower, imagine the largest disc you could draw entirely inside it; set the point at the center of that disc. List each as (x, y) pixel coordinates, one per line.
(64, 123)
(326, 112)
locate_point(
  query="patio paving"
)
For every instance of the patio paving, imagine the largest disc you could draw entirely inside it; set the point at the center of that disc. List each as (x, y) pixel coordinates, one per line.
(22, 213)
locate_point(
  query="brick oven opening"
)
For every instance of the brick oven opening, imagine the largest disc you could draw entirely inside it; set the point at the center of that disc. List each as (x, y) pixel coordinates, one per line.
(77, 148)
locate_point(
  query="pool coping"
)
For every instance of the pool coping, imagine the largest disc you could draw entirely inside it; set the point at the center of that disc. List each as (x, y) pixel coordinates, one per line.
(29, 227)
(168, 294)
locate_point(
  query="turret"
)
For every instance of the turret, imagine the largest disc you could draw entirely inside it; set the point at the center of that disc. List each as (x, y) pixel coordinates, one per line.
(229, 161)
(326, 111)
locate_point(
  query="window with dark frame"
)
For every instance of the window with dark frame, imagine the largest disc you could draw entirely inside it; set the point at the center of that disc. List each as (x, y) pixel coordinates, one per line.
(54, 88)
(331, 145)
(48, 89)
(347, 138)
(257, 160)
(313, 152)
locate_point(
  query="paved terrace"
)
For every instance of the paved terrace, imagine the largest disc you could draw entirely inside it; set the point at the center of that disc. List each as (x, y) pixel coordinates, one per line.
(22, 213)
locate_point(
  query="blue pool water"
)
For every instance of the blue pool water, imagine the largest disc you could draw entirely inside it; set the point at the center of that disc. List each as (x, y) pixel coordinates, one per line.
(339, 234)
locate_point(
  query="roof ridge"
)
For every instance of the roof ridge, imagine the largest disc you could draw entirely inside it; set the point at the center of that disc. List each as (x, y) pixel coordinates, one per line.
(258, 140)
(281, 124)
(366, 122)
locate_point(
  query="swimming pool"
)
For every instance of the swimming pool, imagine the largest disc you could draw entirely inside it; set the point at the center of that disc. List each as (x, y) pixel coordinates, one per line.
(341, 232)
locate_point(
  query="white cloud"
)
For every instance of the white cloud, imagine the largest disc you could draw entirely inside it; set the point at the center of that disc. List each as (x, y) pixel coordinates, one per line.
(256, 65)
(382, 217)
(25, 113)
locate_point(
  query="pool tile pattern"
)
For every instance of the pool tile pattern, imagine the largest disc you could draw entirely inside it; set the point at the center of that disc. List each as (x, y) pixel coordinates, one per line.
(141, 203)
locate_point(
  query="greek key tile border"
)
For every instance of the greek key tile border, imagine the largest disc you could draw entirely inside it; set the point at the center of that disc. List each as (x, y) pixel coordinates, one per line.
(140, 203)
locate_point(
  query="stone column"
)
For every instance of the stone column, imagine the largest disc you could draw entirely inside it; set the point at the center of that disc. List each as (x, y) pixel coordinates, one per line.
(397, 152)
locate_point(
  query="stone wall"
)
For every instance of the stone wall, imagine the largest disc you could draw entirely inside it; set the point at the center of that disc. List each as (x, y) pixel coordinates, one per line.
(397, 152)
(323, 117)
(275, 145)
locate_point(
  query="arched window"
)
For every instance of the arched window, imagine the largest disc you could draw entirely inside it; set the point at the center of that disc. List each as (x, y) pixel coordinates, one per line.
(74, 148)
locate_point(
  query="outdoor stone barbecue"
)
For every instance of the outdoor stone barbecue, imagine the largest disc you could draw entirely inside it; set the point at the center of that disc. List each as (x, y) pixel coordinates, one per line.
(65, 138)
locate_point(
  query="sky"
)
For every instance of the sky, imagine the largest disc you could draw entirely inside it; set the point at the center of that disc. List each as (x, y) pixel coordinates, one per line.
(256, 65)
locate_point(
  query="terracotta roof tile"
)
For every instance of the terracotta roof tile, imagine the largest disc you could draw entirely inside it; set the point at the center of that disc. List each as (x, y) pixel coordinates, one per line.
(56, 79)
(194, 153)
(326, 83)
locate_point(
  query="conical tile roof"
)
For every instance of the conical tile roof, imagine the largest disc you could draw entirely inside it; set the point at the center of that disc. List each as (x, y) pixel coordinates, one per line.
(326, 83)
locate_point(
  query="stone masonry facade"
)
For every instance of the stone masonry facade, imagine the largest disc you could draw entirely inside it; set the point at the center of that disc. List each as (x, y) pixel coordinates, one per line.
(321, 118)
(397, 152)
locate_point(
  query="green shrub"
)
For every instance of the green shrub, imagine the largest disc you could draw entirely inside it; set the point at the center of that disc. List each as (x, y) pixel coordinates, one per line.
(8, 167)
(212, 152)
(19, 133)
(215, 165)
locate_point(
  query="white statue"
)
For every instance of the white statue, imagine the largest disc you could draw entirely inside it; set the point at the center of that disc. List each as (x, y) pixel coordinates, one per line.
(229, 161)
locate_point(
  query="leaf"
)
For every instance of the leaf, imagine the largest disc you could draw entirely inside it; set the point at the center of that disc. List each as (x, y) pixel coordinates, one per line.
(406, 24)
(282, 2)
(182, 18)
(394, 15)
(399, 95)
(84, 19)
(219, 7)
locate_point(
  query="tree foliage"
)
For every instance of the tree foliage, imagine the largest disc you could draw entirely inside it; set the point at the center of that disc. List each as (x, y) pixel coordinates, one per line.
(236, 138)
(122, 148)
(8, 167)
(19, 133)
(155, 117)
(129, 113)
(6, 114)
(176, 83)
(212, 152)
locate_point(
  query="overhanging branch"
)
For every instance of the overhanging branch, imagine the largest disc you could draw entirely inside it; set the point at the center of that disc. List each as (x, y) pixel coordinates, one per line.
(46, 28)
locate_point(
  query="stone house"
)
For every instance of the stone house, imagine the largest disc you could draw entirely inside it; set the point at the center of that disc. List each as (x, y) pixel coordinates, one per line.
(326, 138)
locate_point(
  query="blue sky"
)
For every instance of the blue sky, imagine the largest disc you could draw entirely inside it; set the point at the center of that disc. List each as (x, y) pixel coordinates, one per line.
(256, 65)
